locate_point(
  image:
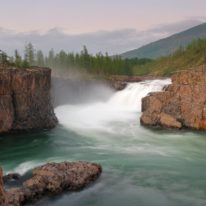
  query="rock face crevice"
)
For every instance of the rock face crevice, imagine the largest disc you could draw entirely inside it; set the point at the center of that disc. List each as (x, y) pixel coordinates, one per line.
(25, 101)
(3, 197)
(181, 104)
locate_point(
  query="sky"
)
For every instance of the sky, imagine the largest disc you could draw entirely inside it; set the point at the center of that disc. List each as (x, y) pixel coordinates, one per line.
(140, 21)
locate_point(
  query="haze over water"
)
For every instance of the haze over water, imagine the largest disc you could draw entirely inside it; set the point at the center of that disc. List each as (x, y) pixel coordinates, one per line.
(141, 166)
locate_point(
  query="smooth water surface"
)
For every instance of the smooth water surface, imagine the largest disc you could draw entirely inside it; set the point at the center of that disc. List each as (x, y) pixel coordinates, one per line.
(141, 166)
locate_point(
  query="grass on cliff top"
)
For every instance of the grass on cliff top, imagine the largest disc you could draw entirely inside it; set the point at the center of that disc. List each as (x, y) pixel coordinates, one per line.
(184, 58)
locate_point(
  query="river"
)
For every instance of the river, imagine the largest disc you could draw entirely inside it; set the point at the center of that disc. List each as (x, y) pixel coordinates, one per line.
(141, 166)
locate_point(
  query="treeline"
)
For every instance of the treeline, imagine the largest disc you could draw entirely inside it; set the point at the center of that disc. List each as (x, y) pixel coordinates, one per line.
(100, 65)
(82, 62)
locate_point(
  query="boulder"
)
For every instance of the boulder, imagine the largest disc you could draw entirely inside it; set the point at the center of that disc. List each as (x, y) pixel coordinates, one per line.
(53, 179)
(181, 104)
(118, 85)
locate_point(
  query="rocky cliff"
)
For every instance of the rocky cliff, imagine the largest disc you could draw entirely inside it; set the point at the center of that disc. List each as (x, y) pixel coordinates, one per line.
(181, 104)
(25, 99)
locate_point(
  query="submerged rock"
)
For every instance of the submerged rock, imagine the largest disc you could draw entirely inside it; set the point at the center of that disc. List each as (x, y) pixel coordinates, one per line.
(25, 101)
(11, 177)
(182, 104)
(53, 179)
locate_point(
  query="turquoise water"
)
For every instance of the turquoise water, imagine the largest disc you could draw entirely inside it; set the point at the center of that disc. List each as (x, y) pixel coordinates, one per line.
(141, 166)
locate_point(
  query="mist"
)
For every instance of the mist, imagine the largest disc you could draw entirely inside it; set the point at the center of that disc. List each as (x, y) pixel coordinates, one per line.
(79, 91)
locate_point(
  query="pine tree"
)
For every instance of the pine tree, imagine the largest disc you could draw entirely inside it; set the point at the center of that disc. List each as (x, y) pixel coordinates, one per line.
(18, 59)
(40, 58)
(29, 54)
(3, 58)
(51, 58)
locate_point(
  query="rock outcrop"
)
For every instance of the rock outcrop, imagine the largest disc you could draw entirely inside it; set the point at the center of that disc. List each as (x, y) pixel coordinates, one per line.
(181, 104)
(25, 99)
(52, 179)
(3, 197)
(117, 85)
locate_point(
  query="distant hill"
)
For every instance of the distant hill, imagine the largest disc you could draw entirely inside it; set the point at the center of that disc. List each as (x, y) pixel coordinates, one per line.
(168, 45)
(192, 55)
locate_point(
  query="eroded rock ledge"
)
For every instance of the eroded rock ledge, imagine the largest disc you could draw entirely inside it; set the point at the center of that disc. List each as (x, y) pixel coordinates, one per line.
(181, 104)
(51, 179)
(25, 99)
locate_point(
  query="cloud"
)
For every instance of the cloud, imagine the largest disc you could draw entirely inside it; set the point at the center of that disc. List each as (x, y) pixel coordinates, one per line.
(112, 42)
(178, 26)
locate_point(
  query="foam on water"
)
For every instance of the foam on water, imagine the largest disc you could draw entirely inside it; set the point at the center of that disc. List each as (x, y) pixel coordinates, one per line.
(26, 166)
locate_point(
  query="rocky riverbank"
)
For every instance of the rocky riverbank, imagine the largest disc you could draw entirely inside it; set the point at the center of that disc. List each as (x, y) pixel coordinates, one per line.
(48, 180)
(181, 104)
(25, 99)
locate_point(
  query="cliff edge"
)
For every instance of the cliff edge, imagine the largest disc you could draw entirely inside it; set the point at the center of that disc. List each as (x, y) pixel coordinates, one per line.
(25, 101)
(181, 104)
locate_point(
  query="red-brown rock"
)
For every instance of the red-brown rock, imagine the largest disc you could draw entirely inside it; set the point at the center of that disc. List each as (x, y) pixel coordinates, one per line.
(3, 198)
(182, 104)
(25, 99)
(53, 179)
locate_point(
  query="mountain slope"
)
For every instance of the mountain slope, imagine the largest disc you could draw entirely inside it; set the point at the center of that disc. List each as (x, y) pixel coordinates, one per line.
(168, 45)
(192, 55)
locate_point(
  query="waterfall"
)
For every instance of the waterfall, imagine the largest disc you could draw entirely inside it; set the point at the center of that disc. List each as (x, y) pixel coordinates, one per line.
(132, 95)
(121, 107)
